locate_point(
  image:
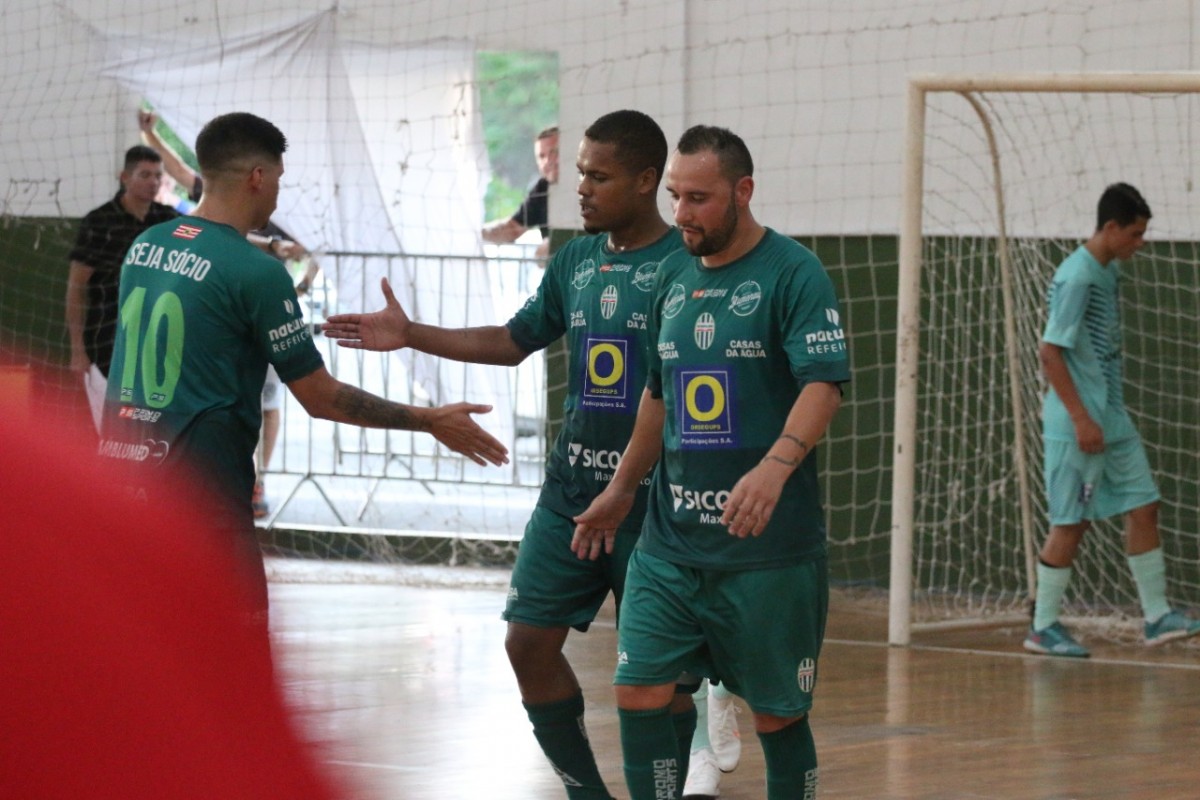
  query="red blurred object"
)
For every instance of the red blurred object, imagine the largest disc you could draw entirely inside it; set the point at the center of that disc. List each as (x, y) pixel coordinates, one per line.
(128, 665)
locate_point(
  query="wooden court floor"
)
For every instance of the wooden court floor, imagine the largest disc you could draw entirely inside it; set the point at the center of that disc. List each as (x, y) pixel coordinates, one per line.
(412, 697)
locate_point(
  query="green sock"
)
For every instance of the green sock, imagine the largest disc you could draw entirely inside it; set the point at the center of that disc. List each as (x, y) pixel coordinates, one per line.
(1052, 585)
(685, 728)
(651, 754)
(791, 757)
(700, 737)
(1150, 574)
(559, 729)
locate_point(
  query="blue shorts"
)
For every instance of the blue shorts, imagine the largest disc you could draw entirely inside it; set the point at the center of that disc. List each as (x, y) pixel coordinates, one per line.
(1084, 486)
(758, 631)
(551, 587)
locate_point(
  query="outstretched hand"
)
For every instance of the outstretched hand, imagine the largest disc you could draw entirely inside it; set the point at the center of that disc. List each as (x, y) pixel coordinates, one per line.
(596, 527)
(453, 426)
(386, 329)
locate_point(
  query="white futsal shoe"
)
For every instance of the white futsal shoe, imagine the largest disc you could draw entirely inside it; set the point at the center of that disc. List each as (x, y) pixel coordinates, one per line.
(723, 732)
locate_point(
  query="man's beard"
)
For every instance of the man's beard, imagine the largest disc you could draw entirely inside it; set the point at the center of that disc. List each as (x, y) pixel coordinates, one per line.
(717, 240)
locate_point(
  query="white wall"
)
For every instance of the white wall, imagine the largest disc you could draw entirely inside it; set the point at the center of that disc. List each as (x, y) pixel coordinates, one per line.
(815, 88)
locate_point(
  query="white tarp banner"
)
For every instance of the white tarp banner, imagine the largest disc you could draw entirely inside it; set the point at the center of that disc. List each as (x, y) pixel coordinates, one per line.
(385, 155)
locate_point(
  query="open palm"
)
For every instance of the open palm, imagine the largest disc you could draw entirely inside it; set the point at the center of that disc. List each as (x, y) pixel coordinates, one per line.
(386, 329)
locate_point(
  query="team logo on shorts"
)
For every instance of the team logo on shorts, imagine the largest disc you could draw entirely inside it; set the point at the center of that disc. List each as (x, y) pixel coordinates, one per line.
(806, 675)
(608, 302)
(288, 307)
(1086, 490)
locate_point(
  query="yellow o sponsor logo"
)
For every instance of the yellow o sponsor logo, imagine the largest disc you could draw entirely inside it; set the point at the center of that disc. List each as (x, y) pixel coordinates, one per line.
(618, 365)
(718, 402)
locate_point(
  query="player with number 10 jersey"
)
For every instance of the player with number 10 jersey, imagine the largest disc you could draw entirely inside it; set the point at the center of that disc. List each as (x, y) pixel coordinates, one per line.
(201, 314)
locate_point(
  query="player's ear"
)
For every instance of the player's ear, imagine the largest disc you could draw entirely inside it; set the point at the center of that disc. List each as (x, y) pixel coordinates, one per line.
(648, 180)
(743, 190)
(256, 177)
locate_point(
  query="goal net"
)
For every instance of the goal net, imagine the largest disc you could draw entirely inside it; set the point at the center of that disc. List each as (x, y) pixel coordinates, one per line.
(1002, 176)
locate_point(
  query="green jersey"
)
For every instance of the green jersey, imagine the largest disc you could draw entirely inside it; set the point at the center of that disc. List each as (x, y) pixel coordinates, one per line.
(1085, 321)
(601, 301)
(734, 347)
(201, 314)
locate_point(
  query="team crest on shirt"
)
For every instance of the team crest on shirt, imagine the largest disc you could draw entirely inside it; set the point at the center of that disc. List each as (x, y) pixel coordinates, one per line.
(583, 273)
(705, 330)
(186, 232)
(806, 675)
(289, 308)
(676, 297)
(746, 298)
(643, 278)
(608, 302)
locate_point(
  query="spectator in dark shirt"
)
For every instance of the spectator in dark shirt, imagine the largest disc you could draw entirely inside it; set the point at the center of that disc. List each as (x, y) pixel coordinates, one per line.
(95, 267)
(534, 211)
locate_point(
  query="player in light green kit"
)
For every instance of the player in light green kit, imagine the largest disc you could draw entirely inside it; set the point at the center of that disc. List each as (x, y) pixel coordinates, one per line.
(1095, 464)
(201, 314)
(729, 579)
(597, 291)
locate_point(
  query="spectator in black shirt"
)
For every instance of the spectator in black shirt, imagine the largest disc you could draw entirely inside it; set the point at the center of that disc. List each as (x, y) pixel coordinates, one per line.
(534, 211)
(95, 267)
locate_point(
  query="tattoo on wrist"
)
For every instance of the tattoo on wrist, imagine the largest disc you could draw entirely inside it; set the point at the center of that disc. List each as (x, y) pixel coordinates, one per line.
(788, 462)
(803, 445)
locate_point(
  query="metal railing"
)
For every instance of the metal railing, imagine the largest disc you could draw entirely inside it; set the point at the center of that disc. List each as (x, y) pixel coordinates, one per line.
(325, 476)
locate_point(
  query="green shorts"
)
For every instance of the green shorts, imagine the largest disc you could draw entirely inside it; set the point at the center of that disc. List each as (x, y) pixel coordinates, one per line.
(1082, 486)
(758, 631)
(551, 587)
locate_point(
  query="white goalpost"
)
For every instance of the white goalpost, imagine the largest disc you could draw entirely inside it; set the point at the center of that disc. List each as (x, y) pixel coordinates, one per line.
(1000, 180)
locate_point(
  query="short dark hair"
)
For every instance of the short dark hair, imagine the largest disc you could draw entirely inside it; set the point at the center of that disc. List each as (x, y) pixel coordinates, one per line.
(546, 133)
(640, 143)
(139, 153)
(232, 138)
(732, 153)
(1122, 204)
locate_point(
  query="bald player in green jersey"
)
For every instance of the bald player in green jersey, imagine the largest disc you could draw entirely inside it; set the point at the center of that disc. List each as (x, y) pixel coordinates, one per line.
(1095, 463)
(597, 292)
(202, 312)
(729, 579)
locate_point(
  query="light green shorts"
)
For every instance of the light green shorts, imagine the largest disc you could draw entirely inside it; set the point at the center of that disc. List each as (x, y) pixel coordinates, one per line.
(551, 587)
(758, 631)
(1082, 486)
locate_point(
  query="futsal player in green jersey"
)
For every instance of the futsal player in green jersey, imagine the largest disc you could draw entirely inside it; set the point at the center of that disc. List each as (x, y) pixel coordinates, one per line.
(202, 312)
(729, 578)
(1095, 464)
(597, 291)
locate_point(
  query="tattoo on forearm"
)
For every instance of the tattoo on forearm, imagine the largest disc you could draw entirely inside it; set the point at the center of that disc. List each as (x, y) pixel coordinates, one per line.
(365, 409)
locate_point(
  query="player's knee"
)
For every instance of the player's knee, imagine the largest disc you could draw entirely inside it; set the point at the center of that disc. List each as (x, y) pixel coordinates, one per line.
(644, 698)
(770, 723)
(529, 647)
